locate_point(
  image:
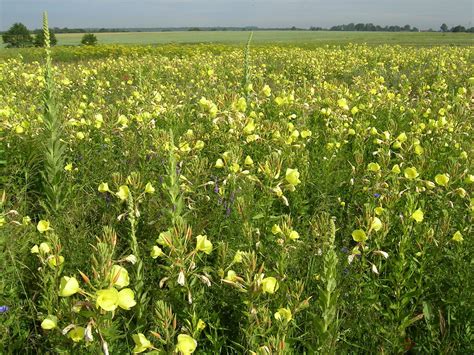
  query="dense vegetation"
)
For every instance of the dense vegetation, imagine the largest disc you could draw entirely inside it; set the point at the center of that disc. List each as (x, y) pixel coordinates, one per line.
(281, 200)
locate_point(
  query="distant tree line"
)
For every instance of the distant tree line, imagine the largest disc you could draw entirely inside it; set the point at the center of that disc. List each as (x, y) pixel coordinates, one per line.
(18, 36)
(370, 27)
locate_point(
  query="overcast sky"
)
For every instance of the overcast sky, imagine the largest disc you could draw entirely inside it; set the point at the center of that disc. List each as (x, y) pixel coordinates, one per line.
(262, 13)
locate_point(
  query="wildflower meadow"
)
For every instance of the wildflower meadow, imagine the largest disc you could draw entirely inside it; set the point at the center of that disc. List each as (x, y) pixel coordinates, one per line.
(223, 199)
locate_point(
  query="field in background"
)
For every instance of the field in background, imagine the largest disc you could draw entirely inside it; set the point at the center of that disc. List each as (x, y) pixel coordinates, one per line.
(263, 37)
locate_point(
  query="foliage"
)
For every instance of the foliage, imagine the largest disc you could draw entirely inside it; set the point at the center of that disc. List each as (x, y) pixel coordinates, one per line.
(89, 39)
(17, 36)
(268, 199)
(40, 39)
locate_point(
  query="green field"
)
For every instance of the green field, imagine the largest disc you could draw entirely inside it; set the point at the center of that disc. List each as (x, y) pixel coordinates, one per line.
(286, 37)
(262, 37)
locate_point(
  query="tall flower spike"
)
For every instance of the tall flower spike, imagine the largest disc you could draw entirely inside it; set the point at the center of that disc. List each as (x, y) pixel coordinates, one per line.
(47, 41)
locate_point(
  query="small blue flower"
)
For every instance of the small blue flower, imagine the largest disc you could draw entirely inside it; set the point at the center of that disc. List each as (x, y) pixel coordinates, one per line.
(377, 195)
(4, 309)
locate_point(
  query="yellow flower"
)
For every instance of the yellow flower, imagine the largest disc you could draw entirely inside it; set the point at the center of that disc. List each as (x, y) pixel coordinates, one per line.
(241, 105)
(234, 167)
(457, 237)
(442, 179)
(126, 299)
(374, 167)
(54, 261)
(238, 257)
(80, 135)
(219, 163)
(402, 137)
(410, 173)
(186, 344)
(44, 248)
(376, 224)
(77, 334)
(250, 127)
(34, 249)
(396, 169)
(104, 187)
(43, 226)
(118, 276)
(378, 210)
(123, 192)
(269, 285)
(108, 299)
(267, 91)
(248, 161)
(50, 322)
(342, 103)
(199, 145)
(292, 176)
(306, 133)
(231, 276)
(293, 235)
(359, 236)
(141, 343)
(276, 229)
(68, 167)
(202, 244)
(417, 215)
(283, 314)
(68, 286)
(156, 251)
(149, 189)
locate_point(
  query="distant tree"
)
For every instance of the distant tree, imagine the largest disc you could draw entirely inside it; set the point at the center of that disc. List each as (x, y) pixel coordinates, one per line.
(407, 28)
(39, 39)
(444, 27)
(458, 28)
(17, 36)
(89, 39)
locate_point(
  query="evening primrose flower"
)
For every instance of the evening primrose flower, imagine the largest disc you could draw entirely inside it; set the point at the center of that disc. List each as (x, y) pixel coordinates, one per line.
(276, 229)
(219, 163)
(238, 257)
(126, 299)
(44, 248)
(119, 276)
(411, 173)
(141, 343)
(293, 235)
(376, 224)
(283, 314)
(442, 179)
(234, 167)
(123, 192)
(50, 322)
(156, 251)
(34, 249)
(77, 334)
(103, 187)
(54, 261)
(374, 167)
(378, 210)
(267, 91)
(68, 167)
(269, 285)
(457, 237)
(149, 189)
(186, 344)
(250, 127)
(342, 103)
(68, 287)
(396, 169)
(108, 299)
(306, 133)
(203, 244)
(248, 160)
(231, 276)
(417, 216)
(359, 236)
(43, 226)
(292, 176)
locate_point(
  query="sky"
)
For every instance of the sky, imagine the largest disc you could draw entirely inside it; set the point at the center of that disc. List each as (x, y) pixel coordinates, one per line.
(262, 13)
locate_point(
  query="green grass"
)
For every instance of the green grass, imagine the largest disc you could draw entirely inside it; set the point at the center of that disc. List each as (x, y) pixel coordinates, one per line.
(263, 37)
